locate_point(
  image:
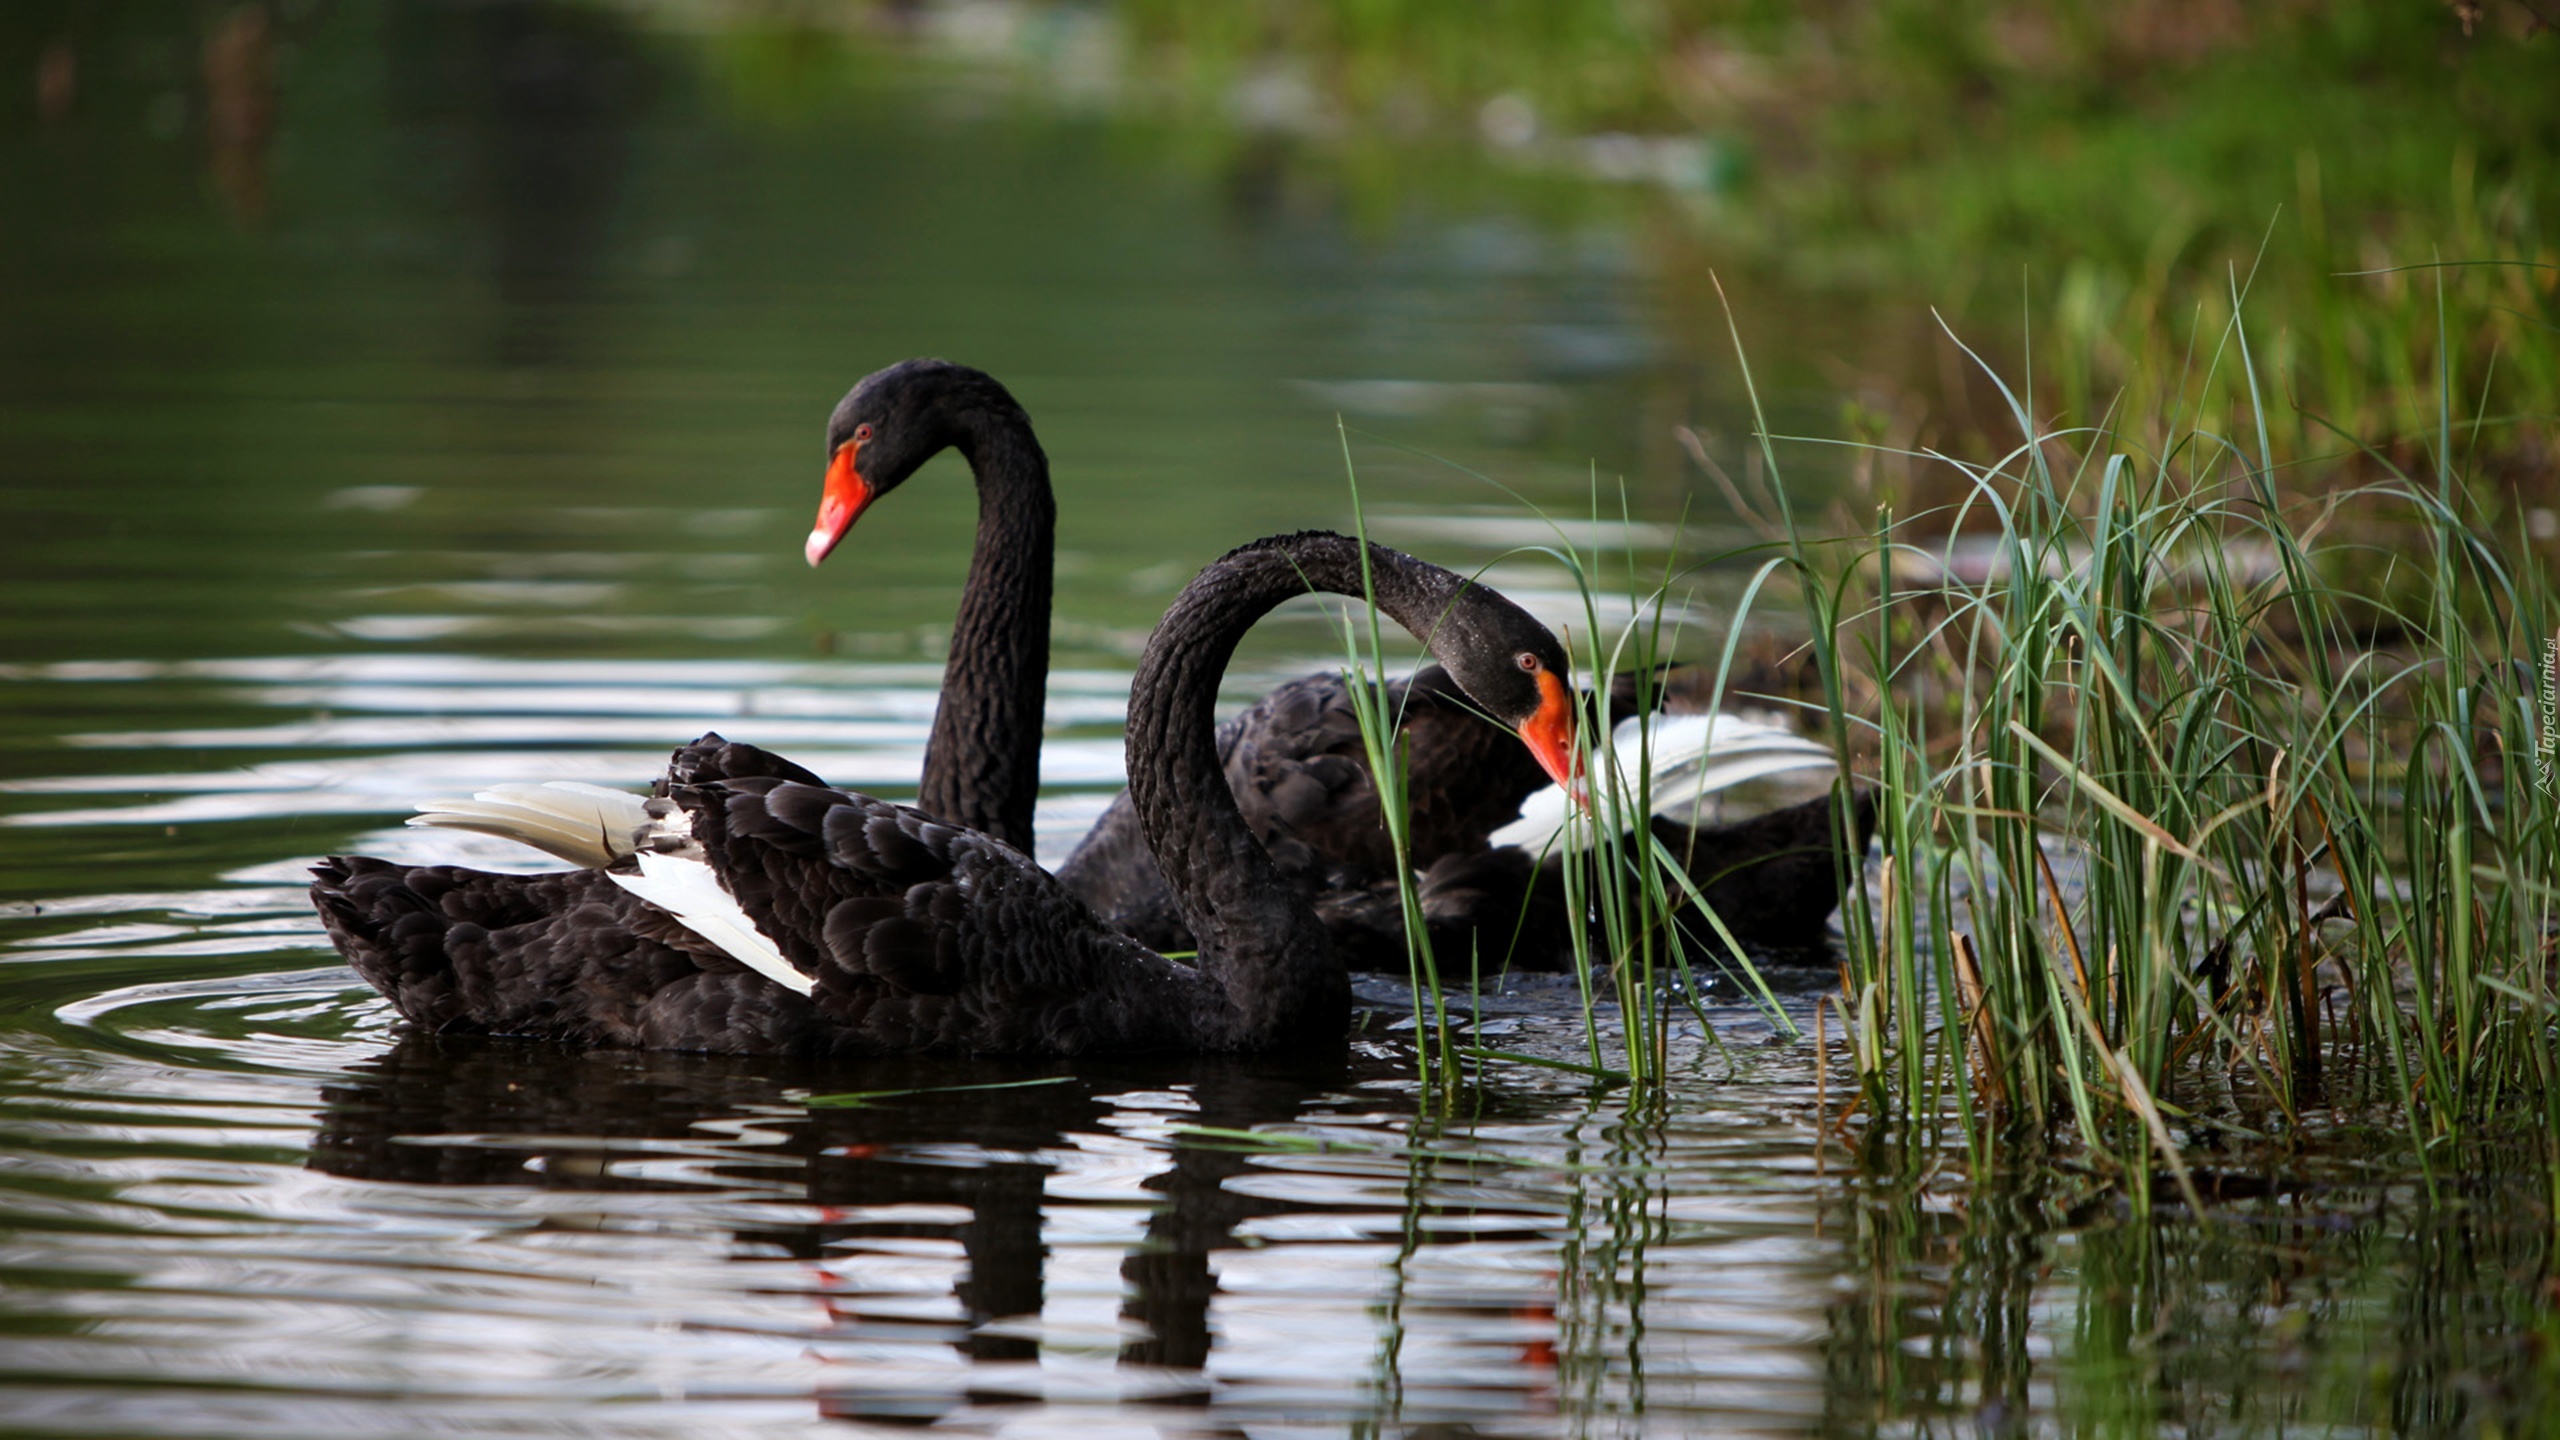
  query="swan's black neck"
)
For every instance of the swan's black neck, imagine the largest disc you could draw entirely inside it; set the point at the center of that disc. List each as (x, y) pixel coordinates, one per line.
(1259, 940)
(982, 764)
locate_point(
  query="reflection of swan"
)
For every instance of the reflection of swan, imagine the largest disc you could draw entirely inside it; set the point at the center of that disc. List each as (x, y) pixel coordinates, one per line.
(469, 1110)
(763, 912)
(945, 1160)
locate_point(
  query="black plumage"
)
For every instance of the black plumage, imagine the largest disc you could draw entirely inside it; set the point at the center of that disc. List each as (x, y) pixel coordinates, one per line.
(1299, 772)
(920, 935)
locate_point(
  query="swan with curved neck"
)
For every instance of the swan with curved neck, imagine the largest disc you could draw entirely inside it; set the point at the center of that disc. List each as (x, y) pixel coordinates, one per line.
(1291, 758)
(760, 913)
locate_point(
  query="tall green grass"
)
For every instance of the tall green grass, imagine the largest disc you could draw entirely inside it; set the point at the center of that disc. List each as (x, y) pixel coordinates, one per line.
(1654, 939)
(2214, 808)
(1365, 676)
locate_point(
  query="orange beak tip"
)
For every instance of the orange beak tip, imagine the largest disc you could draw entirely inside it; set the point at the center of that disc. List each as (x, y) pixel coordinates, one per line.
(847, 493)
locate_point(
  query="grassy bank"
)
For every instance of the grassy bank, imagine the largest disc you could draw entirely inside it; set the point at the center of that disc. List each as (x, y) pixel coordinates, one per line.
(2106, 166)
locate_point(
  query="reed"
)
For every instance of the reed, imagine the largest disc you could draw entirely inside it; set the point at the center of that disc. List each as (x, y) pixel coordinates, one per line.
(1643, 955)
(2213, 805)
(1365, 676)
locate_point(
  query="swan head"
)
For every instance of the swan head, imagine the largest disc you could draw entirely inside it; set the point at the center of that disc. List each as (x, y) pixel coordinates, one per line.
(1516, 669)
(887, 426)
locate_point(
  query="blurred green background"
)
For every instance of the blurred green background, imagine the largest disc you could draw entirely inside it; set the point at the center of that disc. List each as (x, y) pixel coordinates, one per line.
(309, 308)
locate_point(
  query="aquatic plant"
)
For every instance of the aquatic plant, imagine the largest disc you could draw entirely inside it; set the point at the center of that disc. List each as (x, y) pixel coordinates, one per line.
(2215, 806)
(2217, 810)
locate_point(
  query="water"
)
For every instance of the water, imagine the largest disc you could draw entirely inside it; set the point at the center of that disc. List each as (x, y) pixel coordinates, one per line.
(463, 429)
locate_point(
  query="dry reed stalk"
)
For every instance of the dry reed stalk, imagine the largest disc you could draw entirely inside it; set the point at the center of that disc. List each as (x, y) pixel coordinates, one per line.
(1982, 1037)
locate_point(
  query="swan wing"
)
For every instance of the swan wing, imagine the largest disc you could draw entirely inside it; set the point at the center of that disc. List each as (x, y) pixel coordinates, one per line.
(922, 935)
(1696, 756)
(1693, 757)
(687, 889)
(1541, 823)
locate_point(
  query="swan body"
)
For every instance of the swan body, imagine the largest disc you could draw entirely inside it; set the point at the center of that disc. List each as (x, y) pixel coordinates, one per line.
(758, 911)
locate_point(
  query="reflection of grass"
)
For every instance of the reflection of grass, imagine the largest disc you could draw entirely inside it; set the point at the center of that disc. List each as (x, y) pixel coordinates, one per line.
(857, 1099)
(2337, 1305)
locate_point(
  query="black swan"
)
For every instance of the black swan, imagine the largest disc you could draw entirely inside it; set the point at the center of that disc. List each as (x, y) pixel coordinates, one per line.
(763, 913)
(982, 761)
(1486, 829)
(1295, 760)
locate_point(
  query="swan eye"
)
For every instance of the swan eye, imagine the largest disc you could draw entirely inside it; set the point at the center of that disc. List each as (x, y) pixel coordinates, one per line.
(861, 432)
(1526, 661)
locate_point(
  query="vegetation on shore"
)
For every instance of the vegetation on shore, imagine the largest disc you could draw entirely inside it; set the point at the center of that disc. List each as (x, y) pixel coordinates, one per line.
(2110, 165)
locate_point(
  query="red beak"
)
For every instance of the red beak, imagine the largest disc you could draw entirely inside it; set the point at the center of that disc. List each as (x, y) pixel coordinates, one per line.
(1549, 732)
(847, 494)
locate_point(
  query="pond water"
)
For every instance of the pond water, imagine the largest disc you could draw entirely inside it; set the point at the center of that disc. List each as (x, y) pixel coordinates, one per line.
(460, 425)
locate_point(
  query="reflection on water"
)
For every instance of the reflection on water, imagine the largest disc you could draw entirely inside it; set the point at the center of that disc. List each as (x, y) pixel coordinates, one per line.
(398, 398)
(257, 1210)
(522, 1234)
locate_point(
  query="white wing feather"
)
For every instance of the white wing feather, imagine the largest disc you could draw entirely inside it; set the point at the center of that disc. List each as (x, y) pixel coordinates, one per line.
(689, 891)
(587, 825)
(595, 828)
(1694, 756)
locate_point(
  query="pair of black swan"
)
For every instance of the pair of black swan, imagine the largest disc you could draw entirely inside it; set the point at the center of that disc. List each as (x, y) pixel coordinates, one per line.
(1295, 760)
(749, 908)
